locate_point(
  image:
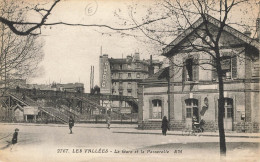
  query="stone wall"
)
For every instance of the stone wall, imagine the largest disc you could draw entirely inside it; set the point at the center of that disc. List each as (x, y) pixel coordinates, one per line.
(248, 127)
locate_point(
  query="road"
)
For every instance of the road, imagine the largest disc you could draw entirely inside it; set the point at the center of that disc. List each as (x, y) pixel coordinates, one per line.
(90, 142)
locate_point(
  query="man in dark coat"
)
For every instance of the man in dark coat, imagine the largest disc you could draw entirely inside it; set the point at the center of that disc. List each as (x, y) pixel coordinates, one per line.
(71, 124)
(165, 125)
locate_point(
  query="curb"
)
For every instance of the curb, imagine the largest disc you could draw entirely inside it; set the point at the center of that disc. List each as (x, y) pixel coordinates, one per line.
(180, 134)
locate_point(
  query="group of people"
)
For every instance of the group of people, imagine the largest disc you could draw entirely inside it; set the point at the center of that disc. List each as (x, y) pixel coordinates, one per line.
(196, 126)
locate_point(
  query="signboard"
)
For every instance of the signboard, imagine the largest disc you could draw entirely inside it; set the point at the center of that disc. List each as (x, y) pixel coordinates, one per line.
(105, 75)
(30, 110)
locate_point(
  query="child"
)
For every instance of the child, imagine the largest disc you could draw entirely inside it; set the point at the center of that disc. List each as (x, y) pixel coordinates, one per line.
(15, 136)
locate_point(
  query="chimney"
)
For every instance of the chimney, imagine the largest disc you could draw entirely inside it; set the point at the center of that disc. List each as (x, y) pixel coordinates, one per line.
(129, 58)
(136, 56)
(151, 68)
(105, 55)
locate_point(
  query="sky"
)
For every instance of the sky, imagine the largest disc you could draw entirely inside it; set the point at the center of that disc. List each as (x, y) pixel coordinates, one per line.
(70, 51)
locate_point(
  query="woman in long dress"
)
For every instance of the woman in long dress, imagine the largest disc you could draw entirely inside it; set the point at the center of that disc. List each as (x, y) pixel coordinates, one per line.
(165, 125)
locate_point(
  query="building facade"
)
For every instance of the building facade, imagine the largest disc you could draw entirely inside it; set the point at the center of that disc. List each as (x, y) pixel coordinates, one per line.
(121, 76)
(193, 89)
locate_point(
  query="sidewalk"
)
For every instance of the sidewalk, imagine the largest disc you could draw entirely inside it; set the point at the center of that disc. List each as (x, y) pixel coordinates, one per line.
(181, 133)
(132, 129)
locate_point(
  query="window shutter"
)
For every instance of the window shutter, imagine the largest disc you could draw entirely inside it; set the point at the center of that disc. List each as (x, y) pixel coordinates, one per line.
(214, 71)
(184, 73)
(150, 109)
(195, 69)
(234, 66)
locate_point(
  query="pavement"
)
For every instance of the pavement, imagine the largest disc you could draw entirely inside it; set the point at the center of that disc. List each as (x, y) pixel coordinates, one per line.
(133, 129)
(94, 142)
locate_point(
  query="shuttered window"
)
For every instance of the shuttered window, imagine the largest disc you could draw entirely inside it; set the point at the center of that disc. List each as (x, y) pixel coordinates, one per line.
(195, 69)
(214, 70)
(234, 66)
(190, 70)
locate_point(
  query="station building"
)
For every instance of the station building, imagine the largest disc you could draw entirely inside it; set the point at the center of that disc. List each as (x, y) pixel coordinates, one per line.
(191, 89)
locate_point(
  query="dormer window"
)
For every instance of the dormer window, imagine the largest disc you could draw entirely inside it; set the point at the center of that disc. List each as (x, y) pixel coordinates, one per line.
(226, 67)
(229, 67)
(190, 70)
(129, 66)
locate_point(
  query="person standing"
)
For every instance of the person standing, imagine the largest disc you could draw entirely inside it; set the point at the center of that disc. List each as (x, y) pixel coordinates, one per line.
(165, 125)
(71, 124)
(108, 122)
(15, 137)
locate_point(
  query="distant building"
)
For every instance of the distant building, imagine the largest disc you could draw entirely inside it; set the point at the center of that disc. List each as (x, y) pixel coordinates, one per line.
(120, 76)
(39, 86)
(69, 87)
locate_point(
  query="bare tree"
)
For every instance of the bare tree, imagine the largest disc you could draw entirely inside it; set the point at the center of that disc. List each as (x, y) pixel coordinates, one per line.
(19, 56)
(200, 36)
(23, 27)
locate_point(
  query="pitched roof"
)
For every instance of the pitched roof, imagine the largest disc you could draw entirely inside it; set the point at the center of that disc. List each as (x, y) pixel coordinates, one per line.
(215, 22)
(161, 75)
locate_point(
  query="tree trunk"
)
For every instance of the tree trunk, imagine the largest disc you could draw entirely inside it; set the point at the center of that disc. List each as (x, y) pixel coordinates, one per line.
(221, 109)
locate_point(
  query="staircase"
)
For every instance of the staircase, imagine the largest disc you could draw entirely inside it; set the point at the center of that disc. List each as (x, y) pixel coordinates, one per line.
(48, 110)
(69, 111)
(97, 106)
(55, 113)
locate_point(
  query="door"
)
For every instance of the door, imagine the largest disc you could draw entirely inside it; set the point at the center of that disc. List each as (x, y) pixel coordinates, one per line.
(191, 111)
(228, 114)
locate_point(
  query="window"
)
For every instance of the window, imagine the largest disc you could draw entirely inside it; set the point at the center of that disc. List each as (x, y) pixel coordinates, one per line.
(129, 92)
(120, 75)
(120, 66)
(129, 75)
(228, 113)
(192, 108)
(188, 113)
(138, 75)
(129, 66)
(157, 109)
(137, 65)
(129, 85)
(226, 67)
(255, 67)
(189, 64)
(190, 70)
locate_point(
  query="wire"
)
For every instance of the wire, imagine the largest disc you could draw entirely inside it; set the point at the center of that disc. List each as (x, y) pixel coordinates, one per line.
(5, 136)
